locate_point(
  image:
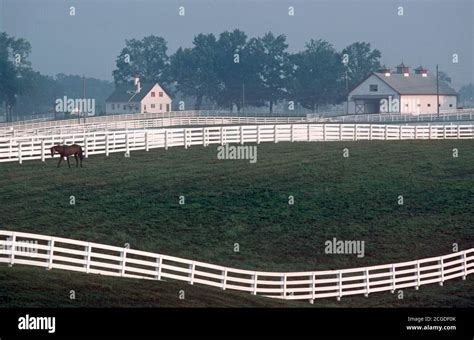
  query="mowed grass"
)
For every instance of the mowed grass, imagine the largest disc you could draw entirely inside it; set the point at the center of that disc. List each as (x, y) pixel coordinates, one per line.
(227, 202)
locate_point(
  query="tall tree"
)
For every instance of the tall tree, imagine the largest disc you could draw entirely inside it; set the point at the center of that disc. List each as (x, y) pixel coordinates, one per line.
(194, 70)
(317, 75)
(237, 70)
(147, 58)
(361, 61)
(274, 68)
(14, 70)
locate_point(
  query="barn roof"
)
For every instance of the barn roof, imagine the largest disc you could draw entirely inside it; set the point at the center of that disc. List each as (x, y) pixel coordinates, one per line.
(415, 84)
(126, 93)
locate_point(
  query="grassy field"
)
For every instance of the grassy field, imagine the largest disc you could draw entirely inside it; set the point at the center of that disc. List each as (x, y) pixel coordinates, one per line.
(136, 200)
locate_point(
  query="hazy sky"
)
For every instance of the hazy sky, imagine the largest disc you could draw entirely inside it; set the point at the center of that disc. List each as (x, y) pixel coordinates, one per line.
(429, 32)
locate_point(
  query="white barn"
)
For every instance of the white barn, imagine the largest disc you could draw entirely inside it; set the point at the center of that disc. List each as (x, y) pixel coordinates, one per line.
(400, 92)
(141, 98)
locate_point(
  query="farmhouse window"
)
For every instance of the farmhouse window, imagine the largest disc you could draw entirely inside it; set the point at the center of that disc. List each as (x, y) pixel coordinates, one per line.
(153, 94)
(373, 88)
(429, 105)
(450, 105)
(161, 94)
(161, 106)
(152, 106)
(125, 107)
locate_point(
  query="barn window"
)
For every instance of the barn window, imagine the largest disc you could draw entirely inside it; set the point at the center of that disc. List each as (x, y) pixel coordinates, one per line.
(373, 88)
(152, 106)
(153, 94)
(450, 105)
(161, 94)
(125, 107)
(429, 105)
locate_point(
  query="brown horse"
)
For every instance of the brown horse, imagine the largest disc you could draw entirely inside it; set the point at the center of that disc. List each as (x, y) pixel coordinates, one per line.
(66, 151)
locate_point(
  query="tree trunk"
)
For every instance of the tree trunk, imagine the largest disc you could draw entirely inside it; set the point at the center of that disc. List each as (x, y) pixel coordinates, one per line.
(197, 105)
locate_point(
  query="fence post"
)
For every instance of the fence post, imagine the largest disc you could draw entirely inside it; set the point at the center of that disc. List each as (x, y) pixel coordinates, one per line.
(309, 132)
(20, 160)
(417, 275)
(224, 278)
(283, 283)
(394, 283)
(458, 131)
(13, 249)
(444, 131)
(222, 135)
(386, 132)
(311, 301)
(88, 257)
(370, 132)
(324, 132)
(166, 139)
(159, 261)
(441, 262)
(275, 133)
(340, 132)
(42, 150)
(191, 275)
(185, 138)
(254, 276)
(51, 250)
(367, 283)
(127, 144)
(107, 144)
(147, 148)
(339, 286)
(124, 259)
(86, 148)
(292, 133)
(431, 131)
(400, 132)
(464, 265)
(258, 134)
(416, 131)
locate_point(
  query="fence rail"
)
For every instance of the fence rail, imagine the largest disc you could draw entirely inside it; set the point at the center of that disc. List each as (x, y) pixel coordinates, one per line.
(61, 253)
(449, 116)
(105, 142)
(145, 123)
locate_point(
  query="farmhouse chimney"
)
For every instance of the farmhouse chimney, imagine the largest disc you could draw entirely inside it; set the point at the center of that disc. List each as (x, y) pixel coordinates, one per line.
(403, 69)
(137, 84)
(421, 70)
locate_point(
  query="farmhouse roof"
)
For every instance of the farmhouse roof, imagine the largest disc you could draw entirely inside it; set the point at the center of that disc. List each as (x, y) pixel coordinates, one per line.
(415, 84)
(127, 93)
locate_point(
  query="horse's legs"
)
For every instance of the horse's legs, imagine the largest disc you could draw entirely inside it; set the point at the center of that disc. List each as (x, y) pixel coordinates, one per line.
(77, 162)
(67, 157)
(60, 159)
(81, 157)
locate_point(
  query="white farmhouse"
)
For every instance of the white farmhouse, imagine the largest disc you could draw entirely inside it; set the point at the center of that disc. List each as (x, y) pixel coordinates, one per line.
(400, 92)
(141, 98)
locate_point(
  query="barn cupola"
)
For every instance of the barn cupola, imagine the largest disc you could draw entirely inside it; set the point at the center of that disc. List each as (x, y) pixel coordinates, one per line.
(137, 83)
(385, 70)
(421, 70)
(403, 69)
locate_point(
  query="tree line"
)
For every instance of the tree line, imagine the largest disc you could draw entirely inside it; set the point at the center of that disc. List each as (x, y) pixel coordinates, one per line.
(233, 70)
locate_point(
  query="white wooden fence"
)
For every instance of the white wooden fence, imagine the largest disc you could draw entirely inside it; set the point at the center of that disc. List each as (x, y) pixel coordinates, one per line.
(144, 124)
(87, 257)
(105, 142)
(447, 116)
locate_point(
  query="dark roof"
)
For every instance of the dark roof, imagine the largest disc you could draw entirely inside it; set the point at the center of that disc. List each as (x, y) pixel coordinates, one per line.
(126, 93)
(415, 84)
(420, 68)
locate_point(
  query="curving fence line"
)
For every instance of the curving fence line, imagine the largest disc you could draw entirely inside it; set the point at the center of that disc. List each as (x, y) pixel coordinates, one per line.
(61, 253)
(19, 149)
(148, 123)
